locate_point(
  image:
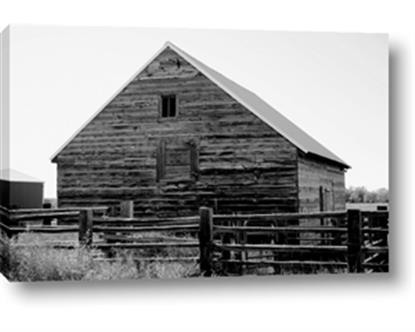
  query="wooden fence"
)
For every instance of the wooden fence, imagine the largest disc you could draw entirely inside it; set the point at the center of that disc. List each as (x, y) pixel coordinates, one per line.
(353, 240)
(94, 229)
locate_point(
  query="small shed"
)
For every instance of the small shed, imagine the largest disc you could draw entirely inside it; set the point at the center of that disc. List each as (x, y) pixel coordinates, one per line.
(18, 190)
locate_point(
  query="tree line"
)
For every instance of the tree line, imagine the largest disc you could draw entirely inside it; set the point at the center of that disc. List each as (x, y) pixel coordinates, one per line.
(363, 195)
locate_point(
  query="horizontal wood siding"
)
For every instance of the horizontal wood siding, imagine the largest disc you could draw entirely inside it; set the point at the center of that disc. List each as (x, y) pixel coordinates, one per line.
(243, 165)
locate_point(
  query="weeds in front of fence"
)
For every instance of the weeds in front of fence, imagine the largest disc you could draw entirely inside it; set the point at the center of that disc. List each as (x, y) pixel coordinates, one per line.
(30, 260)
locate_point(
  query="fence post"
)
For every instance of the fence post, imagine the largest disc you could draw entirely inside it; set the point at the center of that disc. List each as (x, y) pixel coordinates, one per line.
(127, 209)
(47, 221)
(85, 227)
(205, 240)
(355, 240)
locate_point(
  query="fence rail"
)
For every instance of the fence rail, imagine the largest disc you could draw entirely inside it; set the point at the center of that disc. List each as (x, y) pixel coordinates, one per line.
(351, 240)
(164, 238)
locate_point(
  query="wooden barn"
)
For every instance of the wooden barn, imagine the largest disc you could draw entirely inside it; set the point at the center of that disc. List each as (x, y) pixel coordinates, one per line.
(180, 135)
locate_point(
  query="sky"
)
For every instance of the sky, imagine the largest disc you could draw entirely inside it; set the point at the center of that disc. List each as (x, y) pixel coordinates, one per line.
(332, 85)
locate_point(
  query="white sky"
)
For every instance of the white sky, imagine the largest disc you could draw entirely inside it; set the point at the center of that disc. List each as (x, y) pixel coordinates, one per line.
(334, 86)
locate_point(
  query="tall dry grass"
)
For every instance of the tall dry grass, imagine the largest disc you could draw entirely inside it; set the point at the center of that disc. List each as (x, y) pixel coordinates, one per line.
(30, 260)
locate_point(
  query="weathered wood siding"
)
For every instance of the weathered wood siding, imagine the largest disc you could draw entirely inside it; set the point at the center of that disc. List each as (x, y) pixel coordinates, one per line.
(242, 164)
(313, 174)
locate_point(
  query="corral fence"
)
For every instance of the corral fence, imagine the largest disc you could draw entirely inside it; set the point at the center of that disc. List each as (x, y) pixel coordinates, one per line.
(348, 241)
(161, 240)
(340, 241)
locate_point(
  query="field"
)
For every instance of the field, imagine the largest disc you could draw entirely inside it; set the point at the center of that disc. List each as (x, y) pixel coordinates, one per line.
(365, 206)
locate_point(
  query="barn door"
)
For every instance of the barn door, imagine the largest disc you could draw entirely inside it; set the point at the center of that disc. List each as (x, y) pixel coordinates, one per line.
(326, 198)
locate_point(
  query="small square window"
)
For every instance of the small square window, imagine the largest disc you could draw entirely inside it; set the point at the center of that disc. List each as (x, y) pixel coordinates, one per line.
(168, 106)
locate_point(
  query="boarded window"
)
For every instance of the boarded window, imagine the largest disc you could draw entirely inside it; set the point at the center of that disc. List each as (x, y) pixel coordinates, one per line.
(168, 106)
(178, 157)
(327, 198)
(176, 160)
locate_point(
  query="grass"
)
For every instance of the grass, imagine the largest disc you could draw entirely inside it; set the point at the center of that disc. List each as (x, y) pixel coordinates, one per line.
(37, 263)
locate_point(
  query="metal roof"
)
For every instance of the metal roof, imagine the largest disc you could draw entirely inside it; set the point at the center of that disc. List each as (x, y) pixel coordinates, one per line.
(12, 175)
(250, 100)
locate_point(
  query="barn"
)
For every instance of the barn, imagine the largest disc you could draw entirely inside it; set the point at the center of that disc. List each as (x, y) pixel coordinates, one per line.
(179, 135)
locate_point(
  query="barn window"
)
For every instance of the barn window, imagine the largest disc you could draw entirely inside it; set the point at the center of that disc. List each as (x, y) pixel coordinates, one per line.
(177, 160)
(168, 106)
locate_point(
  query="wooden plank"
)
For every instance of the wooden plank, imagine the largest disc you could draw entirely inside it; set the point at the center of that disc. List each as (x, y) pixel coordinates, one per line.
(127, 209)
(4, 209)
(280, 247)
(379, 249)
(205, 240)
(4, 212)
(284, 262)
(48, 229)
(372, 258)
(47, 221)
(380, 214)
(143, 221)
(194, 160)
(121, 238)
(153, 245)
(66, 209)
(321, 199)
(4, 227)
(355, 241)
(85, 227)
(135, 224)
(161, 160)
(152, 259)
(375, 230)
(235, 229)
(279, 216)
(138, 229)
(42, 215)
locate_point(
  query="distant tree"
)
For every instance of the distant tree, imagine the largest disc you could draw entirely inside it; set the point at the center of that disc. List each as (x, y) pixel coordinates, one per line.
(370, 197)
(362, 195)
(357, 194)
(382, 195)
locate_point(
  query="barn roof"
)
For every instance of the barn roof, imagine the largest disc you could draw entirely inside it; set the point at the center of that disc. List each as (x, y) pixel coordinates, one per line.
(250, 100)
